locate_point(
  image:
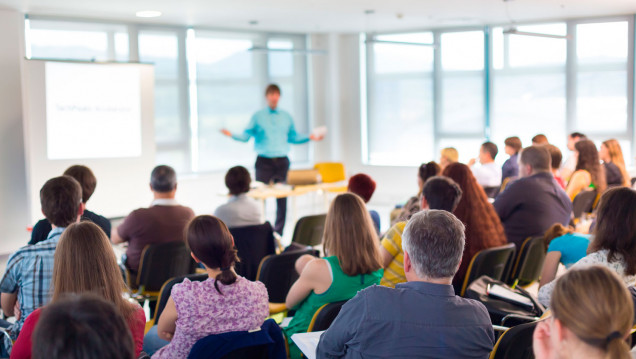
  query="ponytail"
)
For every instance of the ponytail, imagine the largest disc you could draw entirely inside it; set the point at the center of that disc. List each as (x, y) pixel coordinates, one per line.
(617, 349)
(227, 275)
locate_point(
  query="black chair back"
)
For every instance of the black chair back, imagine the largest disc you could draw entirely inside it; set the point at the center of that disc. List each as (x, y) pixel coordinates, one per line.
(492, 192)
(325, 316)
(529, 261)
(515, 342)
(253, 244)
(166, 289)
(491, 262)
(160, 262)
(256, 352)
(309, 230)
(583, 203)
(278, 273)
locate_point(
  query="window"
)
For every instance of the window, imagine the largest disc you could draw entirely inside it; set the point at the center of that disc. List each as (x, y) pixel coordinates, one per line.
(601, 81)
(77, 41)
(162, 48)
(400, 99)
(529, 85)
(465, 89)
(462, 92)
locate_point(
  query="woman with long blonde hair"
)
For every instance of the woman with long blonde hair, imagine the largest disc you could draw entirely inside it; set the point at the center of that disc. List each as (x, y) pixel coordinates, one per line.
(592, 314)
(614, 163)
(353, 263)
(84, 262)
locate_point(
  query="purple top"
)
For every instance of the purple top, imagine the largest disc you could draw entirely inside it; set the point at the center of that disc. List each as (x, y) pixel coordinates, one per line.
(202, 311)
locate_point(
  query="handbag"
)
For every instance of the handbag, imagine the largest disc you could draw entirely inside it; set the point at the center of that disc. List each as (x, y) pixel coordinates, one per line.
(499, 308)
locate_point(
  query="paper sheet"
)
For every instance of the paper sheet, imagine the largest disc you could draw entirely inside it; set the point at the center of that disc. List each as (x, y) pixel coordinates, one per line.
(307, 343)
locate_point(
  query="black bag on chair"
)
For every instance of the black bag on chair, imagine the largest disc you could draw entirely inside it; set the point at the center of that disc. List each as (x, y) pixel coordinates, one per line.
(500, 308)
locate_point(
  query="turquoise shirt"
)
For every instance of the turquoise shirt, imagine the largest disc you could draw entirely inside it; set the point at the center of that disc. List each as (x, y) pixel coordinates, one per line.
(273, 131)
(573, 247)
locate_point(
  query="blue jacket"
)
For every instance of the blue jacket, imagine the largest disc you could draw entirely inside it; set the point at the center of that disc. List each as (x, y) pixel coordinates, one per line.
(218, 345)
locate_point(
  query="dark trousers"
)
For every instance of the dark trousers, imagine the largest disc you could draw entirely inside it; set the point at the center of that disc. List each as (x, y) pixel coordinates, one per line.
(274, 170)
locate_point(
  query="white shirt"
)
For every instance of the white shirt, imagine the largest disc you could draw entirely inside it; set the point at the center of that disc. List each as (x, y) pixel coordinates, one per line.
(240, 211)
(164, 202)
(596, 258)
(487, 175)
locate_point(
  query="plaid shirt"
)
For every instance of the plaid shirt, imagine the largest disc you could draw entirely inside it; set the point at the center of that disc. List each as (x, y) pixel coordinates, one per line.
(29, 272)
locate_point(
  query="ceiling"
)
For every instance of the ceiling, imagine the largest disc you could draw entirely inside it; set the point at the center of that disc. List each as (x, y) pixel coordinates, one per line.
(327, 15)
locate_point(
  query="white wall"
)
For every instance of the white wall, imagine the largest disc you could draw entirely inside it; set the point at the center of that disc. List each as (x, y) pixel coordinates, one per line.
(13, 191)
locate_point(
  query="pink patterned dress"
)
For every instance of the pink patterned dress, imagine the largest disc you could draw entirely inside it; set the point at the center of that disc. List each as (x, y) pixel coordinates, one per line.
(202, 311)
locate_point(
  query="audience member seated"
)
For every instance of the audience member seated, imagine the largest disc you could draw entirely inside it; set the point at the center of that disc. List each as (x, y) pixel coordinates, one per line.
(569, 166)
(80, 327)
(420, 318)
(589, 174)
(448, 155)
(240, 210)
(592, 314)
(614, 164)
(87, 180)
(555, 164)
(85, 263)
(225, 302)
(564, 247)
(162, 222)
(489, 173)
(510, 168)
(26, 283)
(533, 203)
(540, 140)
(364, 186)
(353, 263)
(412, 206)
(483, 227)
(613, 243)
(438, 193)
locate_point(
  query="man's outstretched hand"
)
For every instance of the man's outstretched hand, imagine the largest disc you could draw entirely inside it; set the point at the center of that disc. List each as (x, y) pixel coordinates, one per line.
(226, 132)
(315, 137)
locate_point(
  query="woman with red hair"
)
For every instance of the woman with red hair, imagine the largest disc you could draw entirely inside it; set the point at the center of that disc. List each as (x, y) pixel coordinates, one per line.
(364, 186)
(483, 226)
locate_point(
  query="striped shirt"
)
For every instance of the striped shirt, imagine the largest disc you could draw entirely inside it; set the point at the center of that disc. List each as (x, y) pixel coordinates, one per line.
(29, 273)
(392, 242)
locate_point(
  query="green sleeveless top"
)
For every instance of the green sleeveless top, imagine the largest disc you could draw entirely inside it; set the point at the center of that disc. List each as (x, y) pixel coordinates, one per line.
(343, 287)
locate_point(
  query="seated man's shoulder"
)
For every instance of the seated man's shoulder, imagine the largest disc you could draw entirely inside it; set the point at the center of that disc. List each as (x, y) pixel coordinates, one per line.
(474, 306)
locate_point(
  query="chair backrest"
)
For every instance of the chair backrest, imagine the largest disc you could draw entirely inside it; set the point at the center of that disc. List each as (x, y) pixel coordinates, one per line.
(309, 230)
(515, 342)
(331, 171)
(253, 244)
(162, 261)
(506, 181)
(324, 316)
(492, 192)
(583, 203)
(260, 344)
(166, 289)
(491, 262)
(278, 273)
(529, 262)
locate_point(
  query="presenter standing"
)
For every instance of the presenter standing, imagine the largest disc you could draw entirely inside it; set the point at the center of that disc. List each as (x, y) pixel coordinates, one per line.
(273, 130)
